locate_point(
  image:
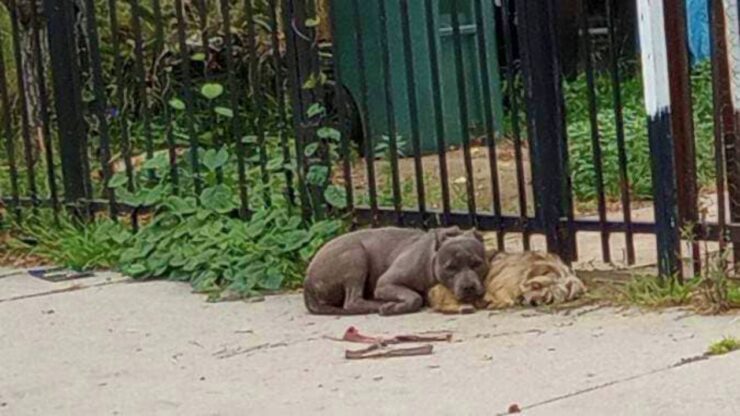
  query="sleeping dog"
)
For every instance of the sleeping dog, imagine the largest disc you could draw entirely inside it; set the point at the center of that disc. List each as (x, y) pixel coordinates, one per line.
(390, 270)
(516, 279)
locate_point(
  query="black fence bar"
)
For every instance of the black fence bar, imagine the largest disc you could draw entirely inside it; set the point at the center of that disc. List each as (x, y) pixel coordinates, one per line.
(236, 127)
(594, 124)
(408, 55)
(7, 126)
(716, 40)
(682, 122)
(257, 97)
(282, 115)
(188, 97)
(489, 119)
(624, 185)
(156, 59)
(510, 34)
(118, 76)
(141, 90)
(38, 58)
(28, 148)
(67, 96)
(341, 101)
(432, 34)
(205, 40)
(463, 108)
(158, 29)
(390, 110)
(658, 108)
(296, 99)
(100, 105)
(722, 100)
(545, 118)
(365, 99)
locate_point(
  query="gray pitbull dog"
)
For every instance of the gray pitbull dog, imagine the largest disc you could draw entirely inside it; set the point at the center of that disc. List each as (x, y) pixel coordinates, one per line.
(389, 270)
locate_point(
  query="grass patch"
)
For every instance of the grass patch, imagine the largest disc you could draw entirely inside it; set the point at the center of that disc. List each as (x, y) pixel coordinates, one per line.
(77, 245)
(724, 346)
(651, 292)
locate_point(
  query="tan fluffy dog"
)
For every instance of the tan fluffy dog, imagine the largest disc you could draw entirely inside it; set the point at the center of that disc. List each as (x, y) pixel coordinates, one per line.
(526, 279)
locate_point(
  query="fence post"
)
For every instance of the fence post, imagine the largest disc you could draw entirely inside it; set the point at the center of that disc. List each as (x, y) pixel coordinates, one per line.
(658, 105)
(546, 121)
(730, 88)
(67, 95)
(682, 123)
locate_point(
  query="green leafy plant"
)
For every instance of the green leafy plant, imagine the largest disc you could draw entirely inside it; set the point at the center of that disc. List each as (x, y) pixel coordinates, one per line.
(724, 346)
(215, 252)
(201, 240)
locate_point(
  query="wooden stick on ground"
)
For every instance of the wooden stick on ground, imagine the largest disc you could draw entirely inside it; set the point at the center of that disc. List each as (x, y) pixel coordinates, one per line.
(377, 351)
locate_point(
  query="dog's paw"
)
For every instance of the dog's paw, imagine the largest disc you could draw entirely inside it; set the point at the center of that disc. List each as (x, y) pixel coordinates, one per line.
(387, 309)
(466, 309)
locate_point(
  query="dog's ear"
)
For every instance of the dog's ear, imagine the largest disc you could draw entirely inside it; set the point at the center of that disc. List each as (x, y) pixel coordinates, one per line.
(443, 234)
(473, 233)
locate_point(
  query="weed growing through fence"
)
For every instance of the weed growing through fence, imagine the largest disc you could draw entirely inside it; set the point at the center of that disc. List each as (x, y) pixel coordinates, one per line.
(651, 292)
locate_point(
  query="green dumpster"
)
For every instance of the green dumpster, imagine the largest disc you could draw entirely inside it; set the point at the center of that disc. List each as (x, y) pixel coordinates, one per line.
(375, 116)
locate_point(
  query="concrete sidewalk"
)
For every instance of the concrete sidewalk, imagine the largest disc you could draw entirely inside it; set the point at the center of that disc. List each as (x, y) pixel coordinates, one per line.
(111, 347)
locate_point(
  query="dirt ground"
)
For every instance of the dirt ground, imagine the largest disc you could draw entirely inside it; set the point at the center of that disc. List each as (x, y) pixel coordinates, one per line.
(112, 347)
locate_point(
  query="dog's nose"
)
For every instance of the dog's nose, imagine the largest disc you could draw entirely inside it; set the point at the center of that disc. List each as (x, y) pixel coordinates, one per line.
(470, 290)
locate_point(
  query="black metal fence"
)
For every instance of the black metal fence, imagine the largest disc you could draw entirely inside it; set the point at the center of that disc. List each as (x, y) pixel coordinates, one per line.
(410, 112)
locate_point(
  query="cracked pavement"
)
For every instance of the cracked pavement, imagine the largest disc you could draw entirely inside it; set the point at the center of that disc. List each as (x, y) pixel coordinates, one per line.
(106, 346)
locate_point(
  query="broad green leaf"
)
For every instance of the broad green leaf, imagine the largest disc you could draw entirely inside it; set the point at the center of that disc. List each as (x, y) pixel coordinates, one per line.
(135, 270)
(275, 164)
(314, 110)
(317, 175)
(213, 159)
(212, 90)
(117, 181)
(199, 56)
(178, 260)
(313, 22)
(224, 111)
(272, 279)
(218, 198)
(153, 196)
(177, 104)
(120, 235)
(311, 149)
(336, 196)
(294, 240)
(329, 133)
(159, 162)
(181, 206)
(310, 83)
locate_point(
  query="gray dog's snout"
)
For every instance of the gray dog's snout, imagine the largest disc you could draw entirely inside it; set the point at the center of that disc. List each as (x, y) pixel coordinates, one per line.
(470, 290)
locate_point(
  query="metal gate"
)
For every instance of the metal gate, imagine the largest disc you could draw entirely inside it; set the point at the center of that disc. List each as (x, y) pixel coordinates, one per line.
(415, 113)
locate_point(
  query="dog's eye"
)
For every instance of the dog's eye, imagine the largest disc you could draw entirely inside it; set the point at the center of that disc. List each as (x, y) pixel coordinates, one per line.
(475, 264)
